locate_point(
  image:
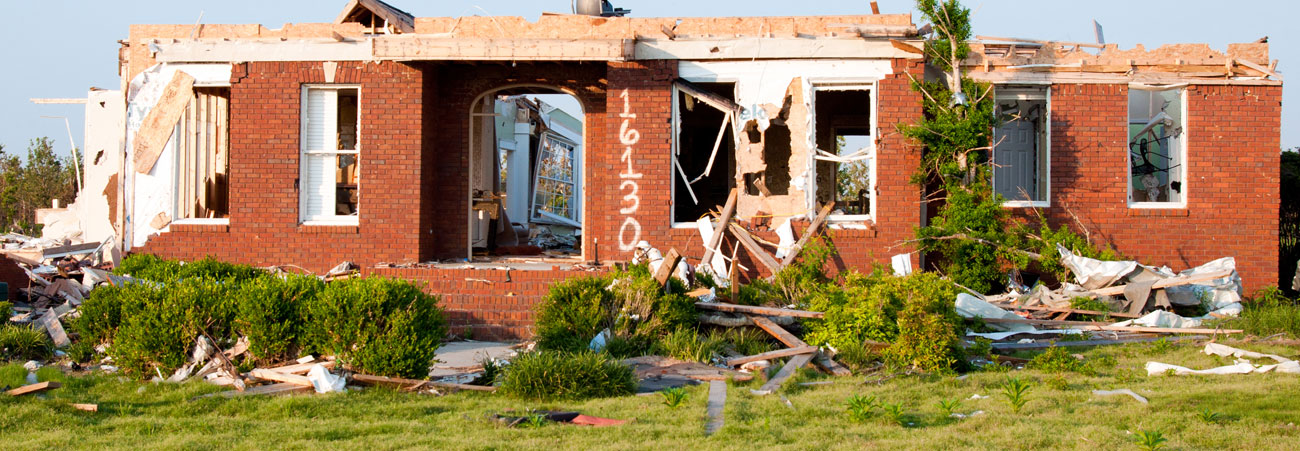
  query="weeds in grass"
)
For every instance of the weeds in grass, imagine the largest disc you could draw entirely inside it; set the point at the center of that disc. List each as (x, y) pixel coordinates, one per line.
(1150, 440)
(1058, 382)
(1017, 393)
(1209, 416)
(1162, 345)
(895, 412)
(743, 340)
(948, 406)
(1058, 360)
(674, 397)
(861, 407)
(684, 343)
(23, 343)
(536, 421)
(563, 375)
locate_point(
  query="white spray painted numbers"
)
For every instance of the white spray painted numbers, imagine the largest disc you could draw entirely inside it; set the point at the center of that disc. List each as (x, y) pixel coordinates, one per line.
(628, 136)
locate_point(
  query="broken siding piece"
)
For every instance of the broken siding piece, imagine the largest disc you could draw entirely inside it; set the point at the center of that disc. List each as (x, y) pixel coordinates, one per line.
(161, 121)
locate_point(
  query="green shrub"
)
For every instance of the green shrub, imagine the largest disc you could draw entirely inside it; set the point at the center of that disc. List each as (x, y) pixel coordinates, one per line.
(629, 303)
(101, 313)
(149, 267)
(81, 351)
(744, 340)
(158, 328)
(378, 326)
(686, 344)
(674, 397)
(548, 375)
(915, 312)
(1058, 360)
(627, 347)
(215, 269)
(24, 343)
(6, 310)
(270, 313)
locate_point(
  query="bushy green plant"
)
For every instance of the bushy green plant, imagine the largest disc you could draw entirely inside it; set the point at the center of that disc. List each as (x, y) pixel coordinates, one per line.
(861, 406)
(216, 269)
(148, 267)
(1150, 440)
(1208, 416)
(627, 347)
(686, 344)
(1016, 392)
(270, 313)
(550, 375)
(379, 326)
(6, 310)
(744, 340)
(1058, 360)
(629, 303)
(81, 351)
(799, 281)
(948, 406)
(159, 328)
(674, 397)
(23, 343)
(926, 340)
(896, 412)
(101, 313)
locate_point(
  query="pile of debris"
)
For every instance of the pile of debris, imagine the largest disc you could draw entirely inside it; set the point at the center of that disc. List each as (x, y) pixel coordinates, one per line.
(60, 276)
(1145, 296)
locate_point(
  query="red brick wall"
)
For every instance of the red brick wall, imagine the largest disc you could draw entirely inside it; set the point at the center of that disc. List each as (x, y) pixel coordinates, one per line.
(1232, 187)
(265, 105)
(13, 275)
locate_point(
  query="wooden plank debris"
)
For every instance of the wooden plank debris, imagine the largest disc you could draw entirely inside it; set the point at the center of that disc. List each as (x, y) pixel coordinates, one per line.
(33, 388)
(808, 234)
(1061, 310)
(788, 370)
(301, 368)
(367, 379)
(747, 240)
(1165, 283)
(777, 331)
(86, 407)
(263, 373)
(727, 212)
(716, 407)
(772, 355)
(666, 268)
(161, 121)
(272, 389)
(1044, 344)
(831, 366)
(755, 310)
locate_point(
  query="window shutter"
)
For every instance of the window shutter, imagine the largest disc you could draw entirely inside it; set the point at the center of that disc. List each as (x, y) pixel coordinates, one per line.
(318, 173)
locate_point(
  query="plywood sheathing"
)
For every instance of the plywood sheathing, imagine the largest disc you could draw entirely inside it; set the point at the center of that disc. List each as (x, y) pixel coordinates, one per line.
(1186, 60)
(798, 120)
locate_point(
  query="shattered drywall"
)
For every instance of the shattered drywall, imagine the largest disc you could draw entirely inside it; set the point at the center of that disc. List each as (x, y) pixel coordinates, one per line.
(152, 201)
(779, 92)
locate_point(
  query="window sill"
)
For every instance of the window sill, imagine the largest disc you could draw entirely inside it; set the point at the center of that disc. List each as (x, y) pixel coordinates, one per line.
(1027, 204)
(200, 225)
(1171, 211)
(334, 227)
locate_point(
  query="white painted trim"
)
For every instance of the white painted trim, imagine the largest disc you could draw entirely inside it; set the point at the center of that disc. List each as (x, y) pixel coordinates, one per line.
(333, 137)
(1047, 197)
(851, 84)
(1183, 147)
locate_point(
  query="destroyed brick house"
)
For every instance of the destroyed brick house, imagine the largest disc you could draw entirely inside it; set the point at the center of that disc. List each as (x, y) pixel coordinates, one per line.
(221, 141)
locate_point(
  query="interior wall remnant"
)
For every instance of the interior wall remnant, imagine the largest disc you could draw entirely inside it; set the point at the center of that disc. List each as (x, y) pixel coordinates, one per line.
(154, 192)
(97, 203)
(698, 130)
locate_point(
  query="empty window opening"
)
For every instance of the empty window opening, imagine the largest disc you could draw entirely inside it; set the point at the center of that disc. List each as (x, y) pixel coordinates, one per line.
(1156, 147)
(846, 149)
(330, 178)
(776, 155)
(705, 152)
(1021, 146)
(526, 174)
(201, 140)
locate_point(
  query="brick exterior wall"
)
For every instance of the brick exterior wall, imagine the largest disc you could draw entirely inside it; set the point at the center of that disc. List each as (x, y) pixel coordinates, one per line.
(414, 177)
(1232, 188)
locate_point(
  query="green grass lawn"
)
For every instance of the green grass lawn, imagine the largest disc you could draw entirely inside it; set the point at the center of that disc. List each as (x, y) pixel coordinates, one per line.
(1256, 411)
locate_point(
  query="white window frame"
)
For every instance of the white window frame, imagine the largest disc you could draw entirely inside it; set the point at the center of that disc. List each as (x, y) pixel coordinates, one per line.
(575, 153)
(1182, 166)
(331, 135)
(677, 130)
(849, 85)
(1047, 143)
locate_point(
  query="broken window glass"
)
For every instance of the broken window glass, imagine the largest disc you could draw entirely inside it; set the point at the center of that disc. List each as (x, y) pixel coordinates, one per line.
(330, 174)
(554, 192)
(1021, 146)
(1156, 147)
(705, 156)
(201, 141)
(846, 149)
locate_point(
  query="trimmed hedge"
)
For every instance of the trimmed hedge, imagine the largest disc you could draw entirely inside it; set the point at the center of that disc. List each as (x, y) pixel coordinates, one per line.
(630, 303)
(552, 375)
(379, 326)
(270, 314)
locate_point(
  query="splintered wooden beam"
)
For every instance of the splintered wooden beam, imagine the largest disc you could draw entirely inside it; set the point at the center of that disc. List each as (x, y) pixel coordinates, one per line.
(1165, 283)
(777, 331)
(750, 245)
(807, 235)
(788, 370)
(161, 121)
(755, 310)
(33, 388)
(727, 212)
(772, 355)
(367, 379)
(666, 268)
(263, 373)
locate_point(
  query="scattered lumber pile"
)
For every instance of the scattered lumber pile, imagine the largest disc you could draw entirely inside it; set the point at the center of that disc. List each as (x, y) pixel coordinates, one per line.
(799, 353)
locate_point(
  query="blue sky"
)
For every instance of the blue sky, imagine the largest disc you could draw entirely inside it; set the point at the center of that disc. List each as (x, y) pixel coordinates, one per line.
(60, 48)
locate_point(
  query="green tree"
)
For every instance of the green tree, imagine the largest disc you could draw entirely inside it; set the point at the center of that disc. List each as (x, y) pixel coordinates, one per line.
(30, 184)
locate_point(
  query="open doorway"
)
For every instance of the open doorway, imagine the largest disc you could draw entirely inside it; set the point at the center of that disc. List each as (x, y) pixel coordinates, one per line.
(526, 174)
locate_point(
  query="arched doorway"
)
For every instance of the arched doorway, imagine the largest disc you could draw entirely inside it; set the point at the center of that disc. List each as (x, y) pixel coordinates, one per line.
(526, 173)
